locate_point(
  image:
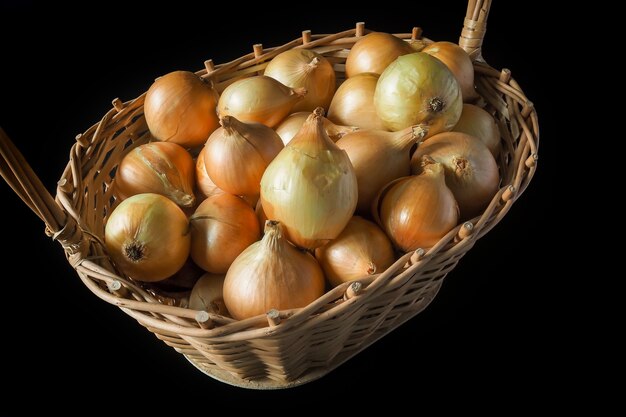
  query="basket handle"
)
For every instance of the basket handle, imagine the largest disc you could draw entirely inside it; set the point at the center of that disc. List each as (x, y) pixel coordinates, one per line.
(27, 185)
(474, 28)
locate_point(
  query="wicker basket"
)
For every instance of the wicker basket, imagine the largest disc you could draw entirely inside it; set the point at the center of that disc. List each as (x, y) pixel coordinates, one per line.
(286, 348)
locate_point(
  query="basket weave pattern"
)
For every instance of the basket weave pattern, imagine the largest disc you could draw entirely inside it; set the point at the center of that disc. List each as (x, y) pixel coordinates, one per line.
(297, 345)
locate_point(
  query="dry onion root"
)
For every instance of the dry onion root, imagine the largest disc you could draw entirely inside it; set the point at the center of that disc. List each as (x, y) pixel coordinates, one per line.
(271, 274)
(160, 167)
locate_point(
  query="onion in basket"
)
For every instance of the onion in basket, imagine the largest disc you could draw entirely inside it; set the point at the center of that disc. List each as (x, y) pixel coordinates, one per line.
(303, 68)
(360, 250)
(374, 53)
(417, 211)
(208, 294)
(147, 236)
(221, 228)
(292, 124)
(379, 157)
(205, 184)
(477, 122)
(159, 167)
(271, 274)
(259, 99)
(470, 169)
(237, 154)
(353, 103)
(459, 62)
(310, 187)
(418, 89)
(180, 108)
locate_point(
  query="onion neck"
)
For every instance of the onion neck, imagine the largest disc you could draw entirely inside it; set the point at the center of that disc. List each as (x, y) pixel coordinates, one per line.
(432, 168)
(312, 134)
(272, 239)
(406, 138)
(312, 65)
(230, 124)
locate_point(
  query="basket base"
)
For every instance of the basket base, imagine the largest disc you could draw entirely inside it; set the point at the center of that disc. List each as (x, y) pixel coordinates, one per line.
(314, 373)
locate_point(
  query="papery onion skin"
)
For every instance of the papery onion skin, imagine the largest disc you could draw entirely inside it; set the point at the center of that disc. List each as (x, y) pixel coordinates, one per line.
(289, 127)
(310, 187)
(147, 236)
(459, 62)
(238, 153)
(303, 68)
(360, 250)
(180, 107)
(353, 103)
(221, 228)
(374, 53)
(161, 168)
(379, 157)
(205, 184)
(208, 294)
(417, 211)
(271, 274)
(477, 122)
(259, 99)
(470, 169)
(418, 89)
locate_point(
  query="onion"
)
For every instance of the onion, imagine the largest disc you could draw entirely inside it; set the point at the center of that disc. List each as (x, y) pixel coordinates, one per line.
(303, 68)
(310, 187)
(292, 124)
(221, 228)
(147, 236)
(477, 122)
(259, 99)
(374, 53)
(208, 294)
(206, 186)
(353, 103)
(159, 167)
(417, 211)
(180, 108)
(362, 249)
(459, 62)
(237, 154)
(471, 171)
(271, 274)
(418, 89)
(378, 158)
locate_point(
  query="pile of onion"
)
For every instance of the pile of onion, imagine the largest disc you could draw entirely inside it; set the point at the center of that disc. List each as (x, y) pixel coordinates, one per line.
(303, 68)
(180, 108)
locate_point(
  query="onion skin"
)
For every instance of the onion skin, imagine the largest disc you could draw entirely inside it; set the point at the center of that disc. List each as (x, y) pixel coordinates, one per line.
(205, 184)
(221, 228)
(353, 103)
(259, 99)
(310, 187)
(180, 108)
(477, 122)
(378, 158)
(289, 127)
(271, 274)
(237, 155)
(418, 89)
(360, 250)
(471, 171)
(208, 294)
(303, 68)
(416, 212)
(161, 168)
(459, 62)
(374, 53)
(147, 236)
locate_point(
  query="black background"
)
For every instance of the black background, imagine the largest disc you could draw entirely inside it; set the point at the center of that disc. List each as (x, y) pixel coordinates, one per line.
(487, 330)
